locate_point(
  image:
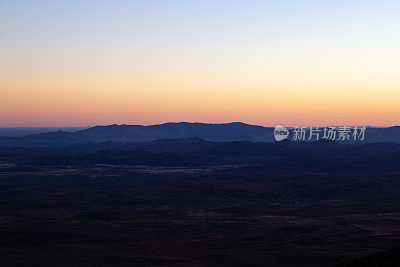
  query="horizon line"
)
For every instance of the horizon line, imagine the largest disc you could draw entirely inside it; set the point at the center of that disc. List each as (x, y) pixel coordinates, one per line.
(196, 122)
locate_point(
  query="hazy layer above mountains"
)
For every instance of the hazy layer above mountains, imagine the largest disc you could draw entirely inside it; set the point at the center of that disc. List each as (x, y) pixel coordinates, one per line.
(235, 131)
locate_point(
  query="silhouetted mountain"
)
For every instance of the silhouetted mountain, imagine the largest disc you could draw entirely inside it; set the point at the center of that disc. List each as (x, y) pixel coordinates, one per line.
(23, 131)
(213, 132)
(235, 131)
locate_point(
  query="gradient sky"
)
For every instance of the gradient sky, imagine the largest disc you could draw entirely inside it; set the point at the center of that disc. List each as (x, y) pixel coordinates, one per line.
(79, 63)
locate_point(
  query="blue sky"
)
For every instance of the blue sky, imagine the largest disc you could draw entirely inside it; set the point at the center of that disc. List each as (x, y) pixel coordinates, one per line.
(233, 49)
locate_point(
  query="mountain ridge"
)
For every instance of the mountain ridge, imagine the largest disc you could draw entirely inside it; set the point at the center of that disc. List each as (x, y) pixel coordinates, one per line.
(217, 132)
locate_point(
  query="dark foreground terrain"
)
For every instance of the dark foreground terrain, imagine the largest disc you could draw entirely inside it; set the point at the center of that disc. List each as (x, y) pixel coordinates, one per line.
(195, 203)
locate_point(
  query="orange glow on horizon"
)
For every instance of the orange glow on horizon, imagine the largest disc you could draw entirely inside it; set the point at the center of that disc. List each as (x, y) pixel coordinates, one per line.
(76, 63)
(82, 102)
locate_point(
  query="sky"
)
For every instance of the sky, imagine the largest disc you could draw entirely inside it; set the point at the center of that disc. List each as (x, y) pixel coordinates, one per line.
(288, 62)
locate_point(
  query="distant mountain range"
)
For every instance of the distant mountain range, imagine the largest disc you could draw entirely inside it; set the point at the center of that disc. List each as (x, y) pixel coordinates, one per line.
(23, 131)
(235, 131)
